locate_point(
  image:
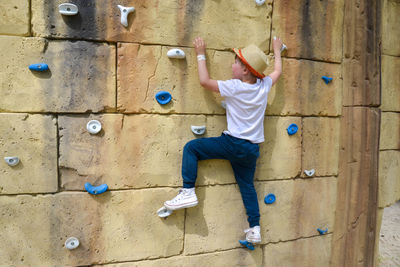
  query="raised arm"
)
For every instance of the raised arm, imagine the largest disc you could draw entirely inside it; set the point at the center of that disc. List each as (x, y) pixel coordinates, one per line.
(277, 45)
(205, 81)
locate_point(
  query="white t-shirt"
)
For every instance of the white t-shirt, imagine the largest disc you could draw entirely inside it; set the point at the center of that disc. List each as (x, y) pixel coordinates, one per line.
(245, 107)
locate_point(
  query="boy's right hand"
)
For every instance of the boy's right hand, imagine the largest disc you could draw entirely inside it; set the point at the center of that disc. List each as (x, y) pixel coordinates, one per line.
(199, 46)
(277, 44)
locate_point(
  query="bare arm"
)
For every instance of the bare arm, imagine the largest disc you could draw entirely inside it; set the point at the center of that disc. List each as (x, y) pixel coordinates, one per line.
(205, 81)
(277, 44)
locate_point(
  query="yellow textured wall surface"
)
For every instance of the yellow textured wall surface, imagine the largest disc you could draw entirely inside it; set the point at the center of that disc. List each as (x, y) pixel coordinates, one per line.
(225, 24)
(101, 70)
(33, 139)
(15, 18)
(81, 76)
(389, 161)
(390, 29)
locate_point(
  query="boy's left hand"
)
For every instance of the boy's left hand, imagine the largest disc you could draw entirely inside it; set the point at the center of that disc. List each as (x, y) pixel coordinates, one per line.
(199, 46)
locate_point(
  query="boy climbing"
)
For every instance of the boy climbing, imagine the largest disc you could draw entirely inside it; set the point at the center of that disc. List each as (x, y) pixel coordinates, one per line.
(246, 100)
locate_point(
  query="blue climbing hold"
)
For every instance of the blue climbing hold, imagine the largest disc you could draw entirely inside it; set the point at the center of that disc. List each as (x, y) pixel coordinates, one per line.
(322, 232)
(39, 67)
(269, 199)
(292, 129)
(163, 97)
(326, 79)
(247, 244)
(96, 190)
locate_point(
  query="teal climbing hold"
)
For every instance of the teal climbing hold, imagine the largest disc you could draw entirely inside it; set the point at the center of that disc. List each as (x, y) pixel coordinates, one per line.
(96, 190)
(163, 97)
(39, 67)
(269, 199)
(327, 79)
(322, 232)
(247, 244)
(292, 129)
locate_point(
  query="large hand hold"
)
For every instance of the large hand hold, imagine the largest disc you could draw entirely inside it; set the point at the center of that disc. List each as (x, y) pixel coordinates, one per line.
(124, 14)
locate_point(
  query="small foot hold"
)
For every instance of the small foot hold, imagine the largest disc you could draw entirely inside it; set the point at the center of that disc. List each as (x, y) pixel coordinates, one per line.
(292, 129)
(164, 212)
(72, 243)
(68, 9)
(309, 173)
(96, 190)
(247, 244)
(11, 161)
(327, 79)
(322, 232)
(269, 199)
(93, 126)
(198, 130)
(163, 97)
(176, 53)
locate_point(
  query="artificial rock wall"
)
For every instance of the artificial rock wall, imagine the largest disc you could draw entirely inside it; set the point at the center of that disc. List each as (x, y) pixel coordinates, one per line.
(389, 154)
(101, 70)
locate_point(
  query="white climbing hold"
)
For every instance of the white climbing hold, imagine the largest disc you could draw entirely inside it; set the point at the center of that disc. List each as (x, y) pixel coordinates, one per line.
(72, 243)
(259, 2)
(284, 47)
(12, 161)
(164, 212)
(124, 14)
(309, 173)
(93, 126)
(68, 9)
(176, 53)
(198, 130)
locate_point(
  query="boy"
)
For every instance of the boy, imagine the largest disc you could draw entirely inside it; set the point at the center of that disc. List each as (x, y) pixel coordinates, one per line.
(246, 101)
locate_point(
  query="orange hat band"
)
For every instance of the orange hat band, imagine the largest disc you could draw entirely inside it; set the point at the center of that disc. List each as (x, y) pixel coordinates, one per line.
(256, 73)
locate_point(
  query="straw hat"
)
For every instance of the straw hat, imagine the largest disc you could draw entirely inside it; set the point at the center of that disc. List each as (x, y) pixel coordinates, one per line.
(255, 59)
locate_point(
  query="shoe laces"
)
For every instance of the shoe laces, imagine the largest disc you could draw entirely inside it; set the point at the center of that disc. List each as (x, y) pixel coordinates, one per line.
(180, 195)
(252, 230)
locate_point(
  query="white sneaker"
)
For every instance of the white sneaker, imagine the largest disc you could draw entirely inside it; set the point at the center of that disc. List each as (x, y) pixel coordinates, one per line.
(253, 235)
(185, 199)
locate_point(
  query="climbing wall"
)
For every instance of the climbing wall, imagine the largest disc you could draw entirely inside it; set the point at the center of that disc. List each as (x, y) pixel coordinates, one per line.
(389, 154)
(100, 69)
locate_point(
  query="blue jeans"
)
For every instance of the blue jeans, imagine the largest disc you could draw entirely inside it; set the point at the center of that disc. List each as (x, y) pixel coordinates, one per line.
(242, 155)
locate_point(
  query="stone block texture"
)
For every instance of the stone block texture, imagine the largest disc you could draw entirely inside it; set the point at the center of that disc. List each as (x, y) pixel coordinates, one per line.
(158, 22)
(235, 257)
(81, 76)
(153, 148)
(301, 90)
(33, 139)
(115, 226)
(390, 131)
(151, 155)
(390, 29)
(101, 70)
(311, 29)
(314, 251)
(301, 207)
(321, 145)
(15, 18)
(389, 177)
(145, 70)
(390, 83)
(280, 154)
